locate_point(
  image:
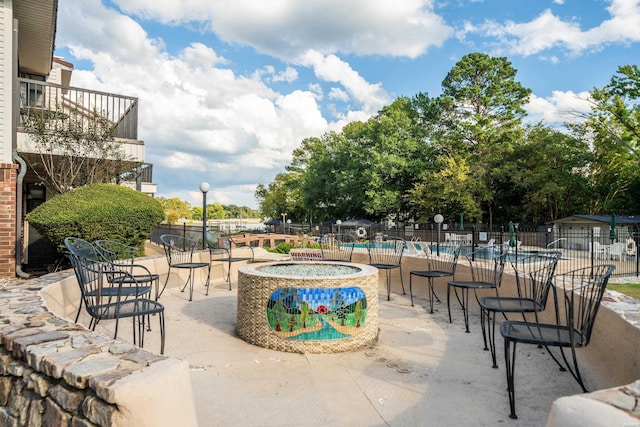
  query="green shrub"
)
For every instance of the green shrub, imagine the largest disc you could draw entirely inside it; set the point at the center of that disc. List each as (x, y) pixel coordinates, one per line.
(98, 211)
(281, 248)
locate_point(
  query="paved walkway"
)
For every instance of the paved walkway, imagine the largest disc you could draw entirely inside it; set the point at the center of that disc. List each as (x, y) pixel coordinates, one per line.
(422, 371)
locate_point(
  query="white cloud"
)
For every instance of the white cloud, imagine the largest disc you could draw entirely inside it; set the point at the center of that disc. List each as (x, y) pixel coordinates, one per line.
(333, 69)
(287, 28)
(338, 94)
(199, 120)
(560, 107)
(548, 31)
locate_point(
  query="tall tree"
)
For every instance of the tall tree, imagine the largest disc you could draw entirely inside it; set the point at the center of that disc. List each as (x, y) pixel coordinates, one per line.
(486, 108)
(281, 196)
(614, 129)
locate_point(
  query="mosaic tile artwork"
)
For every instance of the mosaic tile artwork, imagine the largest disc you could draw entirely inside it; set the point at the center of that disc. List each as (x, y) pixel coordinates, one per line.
(316, 313)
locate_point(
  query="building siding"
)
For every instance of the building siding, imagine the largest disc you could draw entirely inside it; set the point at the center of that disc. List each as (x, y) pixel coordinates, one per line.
(6, 79)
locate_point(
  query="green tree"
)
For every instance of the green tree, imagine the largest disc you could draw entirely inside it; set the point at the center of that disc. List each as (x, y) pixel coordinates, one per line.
(614, 129)
(486, 106)
(281, 196)
(174, 209)
(448, 191)
(549, 176)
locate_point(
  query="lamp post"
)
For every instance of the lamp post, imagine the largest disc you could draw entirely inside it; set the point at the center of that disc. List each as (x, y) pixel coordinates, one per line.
(438, 220)
(284, 216)
(338, 223)
(204, 187)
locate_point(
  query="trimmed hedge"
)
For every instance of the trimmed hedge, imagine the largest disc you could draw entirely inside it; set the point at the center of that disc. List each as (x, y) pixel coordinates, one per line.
(98, 211)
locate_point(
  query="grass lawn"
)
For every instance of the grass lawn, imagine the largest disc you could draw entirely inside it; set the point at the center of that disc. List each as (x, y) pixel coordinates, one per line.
(630, 289)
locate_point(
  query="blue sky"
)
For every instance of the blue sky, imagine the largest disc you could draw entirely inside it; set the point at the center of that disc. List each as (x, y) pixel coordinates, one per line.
(228, 88)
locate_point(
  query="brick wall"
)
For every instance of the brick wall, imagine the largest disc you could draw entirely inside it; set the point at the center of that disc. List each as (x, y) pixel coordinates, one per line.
(8, 188)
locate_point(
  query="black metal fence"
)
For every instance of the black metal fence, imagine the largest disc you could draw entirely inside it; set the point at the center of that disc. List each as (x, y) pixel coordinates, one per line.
(579, 248)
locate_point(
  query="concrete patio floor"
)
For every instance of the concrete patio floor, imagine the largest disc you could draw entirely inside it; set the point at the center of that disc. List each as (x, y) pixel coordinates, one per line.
(422, 371)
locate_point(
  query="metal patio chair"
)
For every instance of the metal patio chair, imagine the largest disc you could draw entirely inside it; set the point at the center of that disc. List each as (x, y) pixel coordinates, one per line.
(438, 265)
(386, 254)
(486, 267)
(101, 303)
(582, 291)
(87, 251)
(122, 256)
(533, 276)
(337, 247)
(223, 248)
(179, 253)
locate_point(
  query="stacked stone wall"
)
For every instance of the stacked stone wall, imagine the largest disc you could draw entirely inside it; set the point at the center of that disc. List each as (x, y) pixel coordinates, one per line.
(57, 373)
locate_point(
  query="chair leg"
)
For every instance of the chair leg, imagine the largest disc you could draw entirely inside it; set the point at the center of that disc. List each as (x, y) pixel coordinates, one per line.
(410, 288)
(465, 308)
(388, 284)
(161, 317)
(432, 292)
(402, 281)
(208, 279)
(190, 281)
(484, 328)
(79, 308)
(166, 281)
(576, 370)
(509, 363)
(449, 300)
(491, 331)
(464, 304)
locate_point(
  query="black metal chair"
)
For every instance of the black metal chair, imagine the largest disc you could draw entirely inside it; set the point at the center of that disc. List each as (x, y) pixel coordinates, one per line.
(223, 248)
(386, 254)
(337, 247)
(486, 267)
(582, 291)
(87, 251)
(533, 276)
(179, 253)
(442, 264)
(123, 257)
(102, 303)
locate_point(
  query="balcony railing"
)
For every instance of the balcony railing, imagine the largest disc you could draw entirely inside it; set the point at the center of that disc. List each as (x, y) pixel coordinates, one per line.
(56, 100)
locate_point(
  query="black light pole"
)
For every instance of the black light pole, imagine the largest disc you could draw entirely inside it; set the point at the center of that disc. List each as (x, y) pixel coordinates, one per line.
(204, 187)
(438, 220)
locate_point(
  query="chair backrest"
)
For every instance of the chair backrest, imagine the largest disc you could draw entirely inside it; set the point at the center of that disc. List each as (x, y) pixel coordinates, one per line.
(387, 251)
(446, 261)
(116, 253)
(583, 289)
(234, 243)
(487, 264)
(534, 275)
(337, 247)
(217, 242)
(90, 281)
(81, 252)
(422, 248)
(178, 249)
(82, 248)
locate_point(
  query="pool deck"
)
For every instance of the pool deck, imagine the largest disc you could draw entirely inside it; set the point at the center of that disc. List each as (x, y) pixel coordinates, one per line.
(423, 370)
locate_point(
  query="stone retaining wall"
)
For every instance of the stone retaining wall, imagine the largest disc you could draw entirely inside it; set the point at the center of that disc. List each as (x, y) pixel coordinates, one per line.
(57, 373)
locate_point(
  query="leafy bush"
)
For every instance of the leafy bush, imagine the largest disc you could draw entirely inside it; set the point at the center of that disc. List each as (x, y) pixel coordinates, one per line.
(281, 248)
(98, 211)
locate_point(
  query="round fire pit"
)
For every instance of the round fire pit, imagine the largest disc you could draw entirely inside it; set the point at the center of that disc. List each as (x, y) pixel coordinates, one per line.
(308, 307)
